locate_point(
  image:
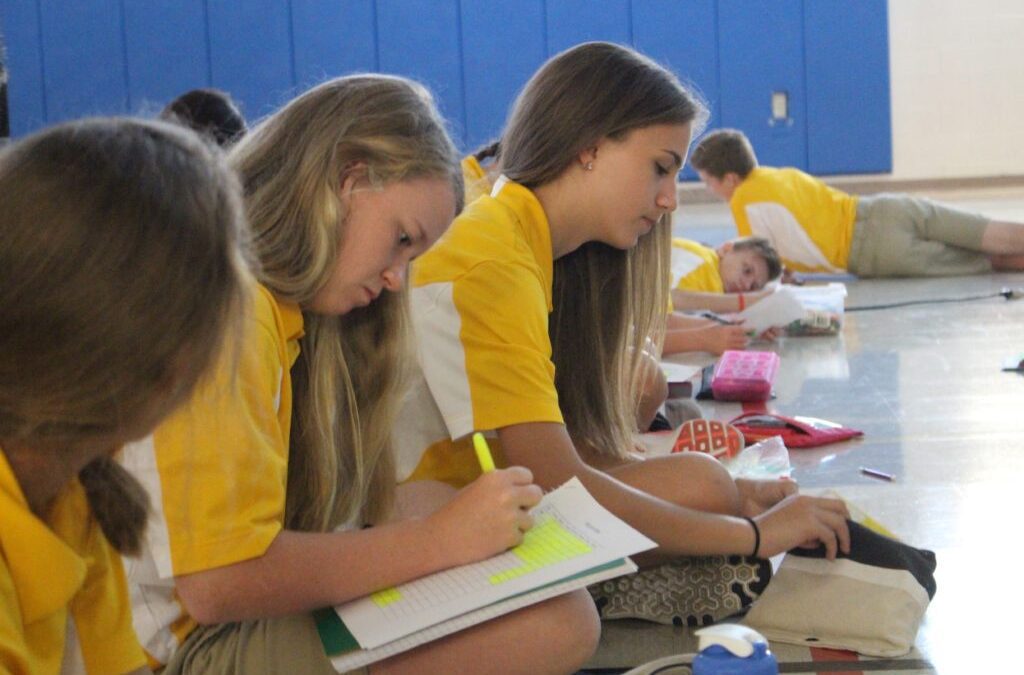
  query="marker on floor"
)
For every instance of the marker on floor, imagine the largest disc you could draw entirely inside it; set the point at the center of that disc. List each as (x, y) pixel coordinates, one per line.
(875, 473)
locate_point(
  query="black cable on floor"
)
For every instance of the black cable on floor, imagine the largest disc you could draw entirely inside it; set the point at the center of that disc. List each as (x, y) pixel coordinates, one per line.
(1006, 293)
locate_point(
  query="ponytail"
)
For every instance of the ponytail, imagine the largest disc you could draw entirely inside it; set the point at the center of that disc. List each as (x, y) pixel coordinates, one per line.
(489, 151)
(118, 503)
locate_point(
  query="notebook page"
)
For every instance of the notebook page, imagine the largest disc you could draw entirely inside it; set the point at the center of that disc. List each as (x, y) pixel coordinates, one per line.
(362, 657)
(572, 534)
(781, 308)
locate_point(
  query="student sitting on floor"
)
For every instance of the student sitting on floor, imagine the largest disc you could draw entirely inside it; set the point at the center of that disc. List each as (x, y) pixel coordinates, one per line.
(263, 482)
(726, 279)
(533, 312)
(817, 228)
(121, 272)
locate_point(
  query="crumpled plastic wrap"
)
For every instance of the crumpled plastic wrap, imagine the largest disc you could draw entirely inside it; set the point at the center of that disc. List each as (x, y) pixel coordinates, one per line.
(766, 459)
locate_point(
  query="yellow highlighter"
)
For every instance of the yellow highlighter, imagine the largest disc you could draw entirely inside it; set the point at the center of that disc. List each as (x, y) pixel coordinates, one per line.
(483, 453)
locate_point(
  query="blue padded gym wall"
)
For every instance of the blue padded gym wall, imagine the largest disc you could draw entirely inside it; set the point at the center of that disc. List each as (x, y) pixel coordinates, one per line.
(166, 50)
(847, 64)
(502, 44)
(808, 80)
(756, 62)
(683, 37)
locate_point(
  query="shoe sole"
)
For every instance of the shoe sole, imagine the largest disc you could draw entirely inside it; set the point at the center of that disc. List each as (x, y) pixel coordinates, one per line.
(693, 592)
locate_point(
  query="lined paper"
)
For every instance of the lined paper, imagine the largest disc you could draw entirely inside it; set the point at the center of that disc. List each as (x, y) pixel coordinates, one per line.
(362, 657)
(573, 534)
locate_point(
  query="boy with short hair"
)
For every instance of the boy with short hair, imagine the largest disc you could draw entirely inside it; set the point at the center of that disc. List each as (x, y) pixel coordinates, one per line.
(817, 228)
(739, 266)
(726, 279)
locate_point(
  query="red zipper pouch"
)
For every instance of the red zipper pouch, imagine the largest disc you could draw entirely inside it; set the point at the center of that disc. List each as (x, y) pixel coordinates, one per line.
(796, 432)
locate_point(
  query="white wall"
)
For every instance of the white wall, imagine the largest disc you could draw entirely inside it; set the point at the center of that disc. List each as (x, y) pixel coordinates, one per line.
(957, 77)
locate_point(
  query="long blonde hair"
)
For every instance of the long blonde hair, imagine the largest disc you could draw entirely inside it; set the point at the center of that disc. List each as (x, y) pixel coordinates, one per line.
(607, 302)
(122, 268)
(350, 370)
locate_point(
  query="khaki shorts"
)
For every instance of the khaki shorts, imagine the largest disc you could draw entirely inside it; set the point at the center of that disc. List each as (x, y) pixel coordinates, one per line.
(903, 236)
(288, 645)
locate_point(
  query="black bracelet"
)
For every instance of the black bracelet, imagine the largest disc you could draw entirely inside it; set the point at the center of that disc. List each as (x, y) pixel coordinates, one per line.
(757, 536)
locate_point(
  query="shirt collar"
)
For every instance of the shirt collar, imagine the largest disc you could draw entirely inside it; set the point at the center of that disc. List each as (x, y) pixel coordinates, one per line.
(291, 319)
(46, 572)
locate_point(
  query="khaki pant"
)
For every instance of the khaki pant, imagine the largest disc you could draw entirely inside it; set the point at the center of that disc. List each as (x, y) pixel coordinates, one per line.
(287, 645)
(903, 236)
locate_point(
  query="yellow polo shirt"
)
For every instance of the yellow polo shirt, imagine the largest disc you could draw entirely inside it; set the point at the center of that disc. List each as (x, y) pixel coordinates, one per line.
(216, 472)
(480, 301)
(695, 267)
(474, 178)
(62, 588)
(809, 223)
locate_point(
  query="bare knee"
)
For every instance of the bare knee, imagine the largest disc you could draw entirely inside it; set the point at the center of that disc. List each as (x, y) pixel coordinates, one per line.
(706, 484)
(652, 395)
(690, 479)
(554, 637)
(573, 619)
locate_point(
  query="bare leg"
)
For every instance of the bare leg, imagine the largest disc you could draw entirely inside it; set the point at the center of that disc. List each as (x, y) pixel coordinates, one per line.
(556, 636)
(1007, 263)
(690, 479)
(653, 393)
(1003, 239)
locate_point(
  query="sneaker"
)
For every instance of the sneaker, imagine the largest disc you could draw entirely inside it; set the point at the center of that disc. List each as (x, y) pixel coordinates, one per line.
(681, 410)
(715, 438)
(694, 591)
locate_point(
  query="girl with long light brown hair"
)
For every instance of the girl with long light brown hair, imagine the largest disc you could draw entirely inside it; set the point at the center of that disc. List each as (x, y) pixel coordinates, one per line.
(533, 314)
(266, 482)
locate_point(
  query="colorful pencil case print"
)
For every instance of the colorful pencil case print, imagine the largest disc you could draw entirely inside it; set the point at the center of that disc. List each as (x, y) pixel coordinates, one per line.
(744, 376)
(796, 432)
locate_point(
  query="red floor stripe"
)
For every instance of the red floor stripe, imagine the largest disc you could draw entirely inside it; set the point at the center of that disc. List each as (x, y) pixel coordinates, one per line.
(822, 654)
(755, 407)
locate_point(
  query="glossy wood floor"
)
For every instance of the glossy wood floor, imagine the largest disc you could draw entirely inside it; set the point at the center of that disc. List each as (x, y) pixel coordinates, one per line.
(925, 385)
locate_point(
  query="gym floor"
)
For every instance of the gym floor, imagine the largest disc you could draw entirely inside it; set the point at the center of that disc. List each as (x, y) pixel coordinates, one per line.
(925, 385)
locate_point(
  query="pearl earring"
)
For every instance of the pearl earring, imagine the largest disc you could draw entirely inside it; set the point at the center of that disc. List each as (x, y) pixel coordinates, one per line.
(589, 166)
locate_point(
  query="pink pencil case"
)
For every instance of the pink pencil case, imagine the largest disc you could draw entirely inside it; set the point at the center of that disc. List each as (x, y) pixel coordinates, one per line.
(744, 376)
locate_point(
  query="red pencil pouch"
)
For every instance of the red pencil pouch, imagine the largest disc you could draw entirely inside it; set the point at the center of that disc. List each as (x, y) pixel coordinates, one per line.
(744, 376)
(796, 432)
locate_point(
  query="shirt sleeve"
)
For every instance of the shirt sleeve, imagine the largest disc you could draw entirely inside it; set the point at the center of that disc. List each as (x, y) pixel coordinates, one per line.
(739, 214)
(492, 365)
(222, 461)
(508, 351)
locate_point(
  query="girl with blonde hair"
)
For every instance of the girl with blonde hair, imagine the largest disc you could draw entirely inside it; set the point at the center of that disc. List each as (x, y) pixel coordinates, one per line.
(121, 270)
(532, 316)
(266, 483)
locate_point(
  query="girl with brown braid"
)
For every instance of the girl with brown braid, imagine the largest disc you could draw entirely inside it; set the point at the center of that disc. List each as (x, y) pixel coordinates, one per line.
(121, 271)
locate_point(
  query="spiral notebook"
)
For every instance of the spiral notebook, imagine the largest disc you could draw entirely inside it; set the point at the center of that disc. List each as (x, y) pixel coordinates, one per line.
(574, 542)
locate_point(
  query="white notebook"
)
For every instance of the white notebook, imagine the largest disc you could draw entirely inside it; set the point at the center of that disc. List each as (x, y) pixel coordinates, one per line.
(781, 308)
(574, 542)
